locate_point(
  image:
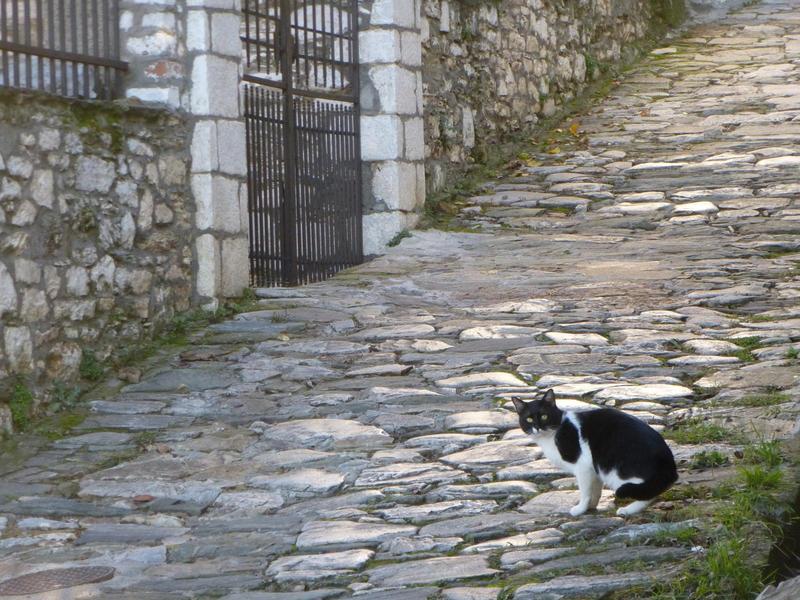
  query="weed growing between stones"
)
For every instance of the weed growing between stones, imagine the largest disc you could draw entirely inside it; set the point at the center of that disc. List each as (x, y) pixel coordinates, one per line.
(395, 241)
(698, 431)
(20, 404)
(744, 517)
(63, 397)
(768, 399)
(90, 369)
(175, 332)
(62, 411)
(709, 459)
(747, 346)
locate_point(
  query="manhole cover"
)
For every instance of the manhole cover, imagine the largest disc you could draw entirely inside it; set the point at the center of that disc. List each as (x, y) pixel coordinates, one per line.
(54, 579)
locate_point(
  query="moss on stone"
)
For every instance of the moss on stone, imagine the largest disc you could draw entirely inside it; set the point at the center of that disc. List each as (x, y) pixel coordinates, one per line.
(671, 12)
(21, 406)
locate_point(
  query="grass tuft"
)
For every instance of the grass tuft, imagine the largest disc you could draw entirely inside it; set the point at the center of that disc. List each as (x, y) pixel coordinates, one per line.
(769, 399)
(708, 459)
(697, 431)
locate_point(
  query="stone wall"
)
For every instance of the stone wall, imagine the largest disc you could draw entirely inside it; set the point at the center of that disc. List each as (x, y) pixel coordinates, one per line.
(492, 68)
(96, 231)
(186, 54)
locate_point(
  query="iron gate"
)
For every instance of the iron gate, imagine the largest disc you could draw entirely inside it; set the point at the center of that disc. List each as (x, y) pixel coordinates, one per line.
(301, 111)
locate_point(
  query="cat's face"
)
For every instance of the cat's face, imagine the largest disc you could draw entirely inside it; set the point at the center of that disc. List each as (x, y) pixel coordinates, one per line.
(538, 416)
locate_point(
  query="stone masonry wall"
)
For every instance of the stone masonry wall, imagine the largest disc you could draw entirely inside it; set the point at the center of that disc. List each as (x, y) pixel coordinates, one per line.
(186, 54)
(96, 232)
(491, 68)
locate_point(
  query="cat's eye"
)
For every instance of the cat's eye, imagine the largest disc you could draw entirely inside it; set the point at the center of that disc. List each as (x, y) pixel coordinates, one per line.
(529, 419)
(544, 418)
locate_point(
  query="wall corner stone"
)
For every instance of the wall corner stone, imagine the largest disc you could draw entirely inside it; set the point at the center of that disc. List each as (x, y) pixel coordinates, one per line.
(392, 136)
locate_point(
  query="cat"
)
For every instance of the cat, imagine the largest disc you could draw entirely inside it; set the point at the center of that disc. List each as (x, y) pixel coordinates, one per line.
(601, 446)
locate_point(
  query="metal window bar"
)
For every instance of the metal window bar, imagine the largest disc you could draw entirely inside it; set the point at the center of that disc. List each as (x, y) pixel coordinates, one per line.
(65, 47)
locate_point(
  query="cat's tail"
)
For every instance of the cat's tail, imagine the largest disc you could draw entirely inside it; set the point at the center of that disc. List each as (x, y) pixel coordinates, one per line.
(650, 488)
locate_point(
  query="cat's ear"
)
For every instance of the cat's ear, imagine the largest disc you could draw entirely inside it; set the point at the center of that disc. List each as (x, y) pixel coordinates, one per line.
(549, 397)
(518, 404)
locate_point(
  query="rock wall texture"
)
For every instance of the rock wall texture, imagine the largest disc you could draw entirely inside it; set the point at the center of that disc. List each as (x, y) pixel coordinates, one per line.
(96, 231)
(491, 68)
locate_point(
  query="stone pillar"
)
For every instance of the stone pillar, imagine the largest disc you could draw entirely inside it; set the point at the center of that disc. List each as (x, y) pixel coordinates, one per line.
(152, 41)
(219, 161)
(186, 55)
(392, 140)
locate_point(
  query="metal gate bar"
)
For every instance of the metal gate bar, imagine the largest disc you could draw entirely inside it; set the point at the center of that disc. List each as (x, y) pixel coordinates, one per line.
(303, 153)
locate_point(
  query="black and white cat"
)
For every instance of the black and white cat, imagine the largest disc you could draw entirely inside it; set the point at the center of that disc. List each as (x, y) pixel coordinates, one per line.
(601, 446)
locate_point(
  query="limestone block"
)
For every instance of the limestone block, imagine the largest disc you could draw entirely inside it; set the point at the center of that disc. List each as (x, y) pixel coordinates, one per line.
(163, 214)
(8, 292)
(380, 228)
(444, 16)
(378, 46)
(27, 271)
(399, 13)
(220, 4)
(225, 34)
(232, 148)
(415, 139)
(19, 349)
(102, 274)
(127, 193)
(468, 127)
(63, 360)
(394, 183)
(215, 86)
(396, 88)
(126, 20)
(381, 137)
(217, 200)
(420, 184)
(52, 281)
(204, 147)
(49, 139)
(235, 266)
(198, 31)
(411, 44)
(208, 265)
(42, 188)
(169, 95)
(127, 231)
(144, 220)
(77, 281)
(139, 148)
(34, 305)
(159, 20)
(94, 174)
(172, 169)
(20, 167)
(160, 43)
(25, 214)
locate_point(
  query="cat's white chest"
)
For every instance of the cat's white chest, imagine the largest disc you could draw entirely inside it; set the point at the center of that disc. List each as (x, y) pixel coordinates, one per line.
(548, 445)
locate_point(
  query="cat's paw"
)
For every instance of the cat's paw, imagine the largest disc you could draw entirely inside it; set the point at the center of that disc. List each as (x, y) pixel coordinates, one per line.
(633, 508)
(577, 510)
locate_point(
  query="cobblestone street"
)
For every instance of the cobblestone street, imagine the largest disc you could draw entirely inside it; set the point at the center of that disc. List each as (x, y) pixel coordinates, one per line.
(356, 437)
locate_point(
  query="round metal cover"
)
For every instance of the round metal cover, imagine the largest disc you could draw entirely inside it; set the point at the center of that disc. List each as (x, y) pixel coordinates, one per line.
(54, 579)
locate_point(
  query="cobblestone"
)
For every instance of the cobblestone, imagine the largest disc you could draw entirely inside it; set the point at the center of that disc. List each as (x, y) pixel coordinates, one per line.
(385, 452)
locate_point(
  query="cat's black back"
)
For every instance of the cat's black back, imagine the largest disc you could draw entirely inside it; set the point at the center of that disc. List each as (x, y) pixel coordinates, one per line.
(621, 442)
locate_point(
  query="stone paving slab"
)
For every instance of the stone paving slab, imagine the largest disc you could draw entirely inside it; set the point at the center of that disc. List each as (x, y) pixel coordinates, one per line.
(355, 438)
